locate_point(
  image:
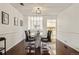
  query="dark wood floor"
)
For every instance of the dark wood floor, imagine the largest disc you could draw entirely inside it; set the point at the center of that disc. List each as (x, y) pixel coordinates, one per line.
(19, 49)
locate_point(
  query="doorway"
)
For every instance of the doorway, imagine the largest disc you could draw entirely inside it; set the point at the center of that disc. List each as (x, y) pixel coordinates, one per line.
(51, 25)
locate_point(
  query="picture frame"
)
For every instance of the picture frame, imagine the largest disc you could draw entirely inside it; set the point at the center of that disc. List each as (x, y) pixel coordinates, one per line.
(21, 22)
(15, 21)
(5, 18)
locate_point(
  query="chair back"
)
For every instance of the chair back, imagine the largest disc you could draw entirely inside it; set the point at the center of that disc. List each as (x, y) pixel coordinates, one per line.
(49, 36)
(2, 38)
(26, 34)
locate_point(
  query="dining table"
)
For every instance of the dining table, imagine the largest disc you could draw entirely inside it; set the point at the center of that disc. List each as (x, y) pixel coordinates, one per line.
(39, 43)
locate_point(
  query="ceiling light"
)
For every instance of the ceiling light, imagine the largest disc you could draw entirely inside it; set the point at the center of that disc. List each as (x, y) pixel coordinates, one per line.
(38, 11)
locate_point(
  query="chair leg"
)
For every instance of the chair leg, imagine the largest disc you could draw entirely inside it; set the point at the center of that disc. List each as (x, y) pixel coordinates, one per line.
(5, 47)
(0, 53)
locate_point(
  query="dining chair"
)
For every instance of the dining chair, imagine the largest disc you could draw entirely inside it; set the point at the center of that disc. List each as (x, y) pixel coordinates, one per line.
(48, 38)
(30, 48)
(30, 44)
(44, 49)
(44, 45)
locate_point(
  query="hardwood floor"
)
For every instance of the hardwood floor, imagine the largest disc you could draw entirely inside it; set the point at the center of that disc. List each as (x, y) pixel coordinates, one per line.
(19, 49)
(63, 49)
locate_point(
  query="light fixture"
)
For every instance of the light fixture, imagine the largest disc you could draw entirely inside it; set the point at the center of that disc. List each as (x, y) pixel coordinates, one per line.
(38, 11)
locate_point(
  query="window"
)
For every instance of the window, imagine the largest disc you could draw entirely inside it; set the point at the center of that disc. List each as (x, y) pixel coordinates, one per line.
(35, 22)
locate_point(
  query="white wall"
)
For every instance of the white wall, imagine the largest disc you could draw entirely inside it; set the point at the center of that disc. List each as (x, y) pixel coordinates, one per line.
(26, 22)
(13, 34)
(68, 24)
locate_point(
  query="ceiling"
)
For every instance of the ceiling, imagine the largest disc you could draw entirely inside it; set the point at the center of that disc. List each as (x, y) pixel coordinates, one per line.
(46, 8)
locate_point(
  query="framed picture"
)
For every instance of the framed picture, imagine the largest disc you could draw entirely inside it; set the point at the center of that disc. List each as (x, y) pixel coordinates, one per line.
(15, 21)
(21, 23)
(5, 18)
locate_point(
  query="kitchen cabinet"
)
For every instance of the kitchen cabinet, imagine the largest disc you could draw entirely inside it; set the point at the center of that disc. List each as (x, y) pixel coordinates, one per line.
(63, 49)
